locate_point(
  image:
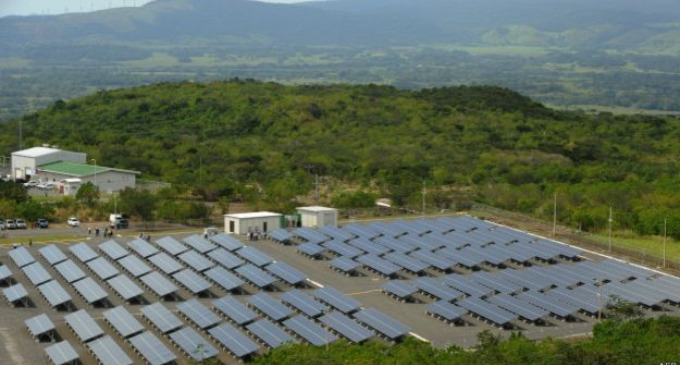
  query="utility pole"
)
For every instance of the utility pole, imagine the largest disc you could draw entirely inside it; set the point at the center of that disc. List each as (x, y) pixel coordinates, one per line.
(20, 136)
(95, 173)
(664, 241)
(599, 303)
(555, 216)
(610, 228)
(316, 188)
(424, 192)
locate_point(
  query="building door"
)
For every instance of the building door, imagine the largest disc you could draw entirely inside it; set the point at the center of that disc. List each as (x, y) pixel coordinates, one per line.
(264, 226)
(231, 226)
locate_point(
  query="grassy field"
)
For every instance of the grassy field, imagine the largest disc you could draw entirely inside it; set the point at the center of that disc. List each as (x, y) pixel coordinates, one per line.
(646, 245)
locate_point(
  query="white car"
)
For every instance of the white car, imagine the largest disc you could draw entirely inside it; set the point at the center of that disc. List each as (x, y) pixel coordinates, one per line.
(31, 184)
(73, 222)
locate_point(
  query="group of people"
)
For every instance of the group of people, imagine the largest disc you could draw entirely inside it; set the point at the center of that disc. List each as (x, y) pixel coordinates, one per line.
(107, 232)
(253, 234)
(146, 238)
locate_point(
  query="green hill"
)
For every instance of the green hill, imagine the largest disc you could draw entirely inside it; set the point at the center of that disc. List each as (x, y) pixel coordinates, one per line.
(468, 143)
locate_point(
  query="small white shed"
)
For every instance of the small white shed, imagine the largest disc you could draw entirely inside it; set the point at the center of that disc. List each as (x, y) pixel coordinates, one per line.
(242, 223)
(71, 186)
(318, 216)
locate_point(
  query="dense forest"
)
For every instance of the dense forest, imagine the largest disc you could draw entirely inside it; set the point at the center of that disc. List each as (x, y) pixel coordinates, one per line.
(638, 341)
(265, 143)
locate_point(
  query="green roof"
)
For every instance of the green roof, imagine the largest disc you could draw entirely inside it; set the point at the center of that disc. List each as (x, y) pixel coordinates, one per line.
(77, 169)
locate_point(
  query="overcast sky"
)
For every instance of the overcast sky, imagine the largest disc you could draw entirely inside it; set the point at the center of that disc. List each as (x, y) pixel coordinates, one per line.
(39, 7)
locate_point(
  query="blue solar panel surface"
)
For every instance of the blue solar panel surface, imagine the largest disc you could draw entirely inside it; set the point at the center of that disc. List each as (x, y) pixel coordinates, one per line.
(171, 246)
(161, 317)
(226, 259)
(303, 302)
(165, 263)
(270, 306)
(61, 353)
(54, 293)
(382, 323)
(196, 261)
(193, 344)
(224, 278)
(235, 341)
(142, 248)
(344, 264)
(227, 242)
(134, 266)
(446, 310)
(21, 256)
(198, 313)
(124, 287)
(152, 349)
(107, 351)
(102, 268)
(254, 256)
(269, 333)
(70, 271)
(113, 250)
(310, 331)
(52, 254)
(90, 290)
(337, 299)
(83, 252)
(255, 275)
(286, 273)
(192, 281)
(347, 327)
(39, 325)
(36, 273)
(123, 322)
(199, 244)
(82, 324)
(234, 310)
(159, 284)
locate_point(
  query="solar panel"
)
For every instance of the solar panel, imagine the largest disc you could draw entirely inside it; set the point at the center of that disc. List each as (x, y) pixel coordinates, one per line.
(407, 262)
(161, 317)
(368, 246)
(255, 275)
(52, 254)
(310, 331)
(224, 278)
(171, 246)
(54, 293)
(254, 256)
(395, 245)
(344, 264)
(486, 310)
(123, 322)
(39, 325)
(342, 249)
(382, 323)
(303, 302)
(83, 252)
(5, 273)
(311, 249)
(21, 256)
(446, 310)
(337, 299)
(466, 285)
(15, 293)
(196, 261)
(199, 244)
(192, 281)
(198, 313)
(280, 235)
(268, 305)
(269, 333)
(378, 264)
(437, 261)
(399, 289)
(436, 289)
(102, 268)
(228, 242)
(70, 271)
(496, 282)
(108, 352)
(142, 248)
(61, 353)
(232, 339)
(134, 266)
(226, 258)
(90, 290)
(165, 263)
(193, 344)
(36, 273)
(158, 284)
(113, 250)
(234, 310)
(286, 272)
(124, 287)
(152, 349)
(347, 327)
(518, 307)
(85, 328)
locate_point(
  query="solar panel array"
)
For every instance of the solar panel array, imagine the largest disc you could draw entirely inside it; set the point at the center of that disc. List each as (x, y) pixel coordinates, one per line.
(525, 277)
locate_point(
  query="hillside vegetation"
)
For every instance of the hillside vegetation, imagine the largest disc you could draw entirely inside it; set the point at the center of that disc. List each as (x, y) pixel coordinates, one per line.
(263, 143)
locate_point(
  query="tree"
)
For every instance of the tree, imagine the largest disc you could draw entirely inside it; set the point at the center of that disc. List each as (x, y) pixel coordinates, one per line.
(88, 194)
(138, 203)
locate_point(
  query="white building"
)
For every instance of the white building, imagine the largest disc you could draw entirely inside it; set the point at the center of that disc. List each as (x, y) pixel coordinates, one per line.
(318, 216)
(242, 223)
(45, 164)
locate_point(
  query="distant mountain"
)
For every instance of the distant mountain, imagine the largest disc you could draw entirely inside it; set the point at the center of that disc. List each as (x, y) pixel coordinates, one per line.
(229, 21)
(573, 23)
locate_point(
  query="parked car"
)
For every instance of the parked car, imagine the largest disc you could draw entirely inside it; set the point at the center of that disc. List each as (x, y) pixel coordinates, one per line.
(20, 224)
(73, 222)
(31, 184)
(42, 223)
(10, 224)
